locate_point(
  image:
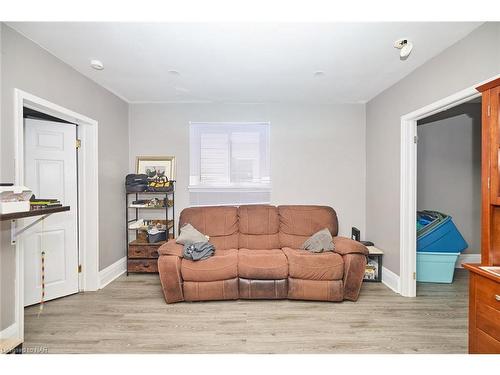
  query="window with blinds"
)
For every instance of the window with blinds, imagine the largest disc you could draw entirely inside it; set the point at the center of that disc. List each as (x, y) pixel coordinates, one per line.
(229, 163)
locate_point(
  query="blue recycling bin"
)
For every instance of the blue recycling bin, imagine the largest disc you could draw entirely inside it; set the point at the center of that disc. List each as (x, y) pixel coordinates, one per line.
(436, 233)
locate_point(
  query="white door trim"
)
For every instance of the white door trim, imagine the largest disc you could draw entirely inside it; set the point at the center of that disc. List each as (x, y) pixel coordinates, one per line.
(88, 191)
(408, 183)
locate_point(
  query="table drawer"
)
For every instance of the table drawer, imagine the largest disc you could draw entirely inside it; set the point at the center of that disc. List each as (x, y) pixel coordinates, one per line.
(488, 293)
(488, 320)
(485, 344)
(140, 251)
(142, 265)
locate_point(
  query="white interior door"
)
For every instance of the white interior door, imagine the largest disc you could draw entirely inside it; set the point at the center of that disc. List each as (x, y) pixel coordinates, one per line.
(50, 170)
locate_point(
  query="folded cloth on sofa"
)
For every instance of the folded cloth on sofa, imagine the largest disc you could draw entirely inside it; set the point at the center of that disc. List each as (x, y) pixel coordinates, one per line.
(190, 234)
(319, 242)
(198, 250)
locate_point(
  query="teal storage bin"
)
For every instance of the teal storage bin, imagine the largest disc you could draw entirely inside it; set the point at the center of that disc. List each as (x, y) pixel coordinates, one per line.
(436, 267)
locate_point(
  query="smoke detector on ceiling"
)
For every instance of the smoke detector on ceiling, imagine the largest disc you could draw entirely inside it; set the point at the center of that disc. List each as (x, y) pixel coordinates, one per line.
(405, 47)
(97, 64)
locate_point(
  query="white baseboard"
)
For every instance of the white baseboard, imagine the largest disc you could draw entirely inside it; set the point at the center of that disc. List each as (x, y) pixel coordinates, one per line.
(112, 272)
(391, 280)
(467, 258)
(11, 331)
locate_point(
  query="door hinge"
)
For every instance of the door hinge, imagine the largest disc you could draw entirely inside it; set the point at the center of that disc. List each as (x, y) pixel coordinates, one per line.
(414, 275)
(415, 139)
(79, 268)
(78, 143)
(489, 111)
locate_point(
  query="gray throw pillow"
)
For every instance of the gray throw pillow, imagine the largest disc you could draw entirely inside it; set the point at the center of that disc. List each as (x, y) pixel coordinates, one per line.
(190, 234)
(319, 242)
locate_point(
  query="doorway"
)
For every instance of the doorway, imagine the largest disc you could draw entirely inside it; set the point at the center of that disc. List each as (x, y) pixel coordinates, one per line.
(449, 183)
(88, 203)
(408, 182)
(51, 172)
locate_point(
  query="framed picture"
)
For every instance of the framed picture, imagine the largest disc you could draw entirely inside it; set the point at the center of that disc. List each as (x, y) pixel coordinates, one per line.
(156, 166)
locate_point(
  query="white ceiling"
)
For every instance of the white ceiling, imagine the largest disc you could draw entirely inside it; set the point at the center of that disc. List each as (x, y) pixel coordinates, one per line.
(249, 62)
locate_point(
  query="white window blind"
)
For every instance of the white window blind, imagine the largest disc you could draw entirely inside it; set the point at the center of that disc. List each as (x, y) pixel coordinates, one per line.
(229, 163)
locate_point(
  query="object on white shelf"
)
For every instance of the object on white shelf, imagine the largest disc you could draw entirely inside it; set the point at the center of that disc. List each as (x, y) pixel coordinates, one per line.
(14, 199)
(137, 224)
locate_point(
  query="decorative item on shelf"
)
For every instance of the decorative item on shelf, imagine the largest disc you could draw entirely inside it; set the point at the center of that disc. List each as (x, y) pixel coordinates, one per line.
(373, 270)
(41, 203)
(160, 184)
(156, 235)
(145, 225)
(136, 182)
(151, 203)
(156, 167)
(14, 198)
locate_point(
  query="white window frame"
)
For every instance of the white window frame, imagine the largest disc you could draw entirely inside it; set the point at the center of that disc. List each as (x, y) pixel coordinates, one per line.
(241, 188)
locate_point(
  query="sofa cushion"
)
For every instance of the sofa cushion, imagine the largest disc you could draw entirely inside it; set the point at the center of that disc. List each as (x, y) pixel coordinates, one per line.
(222, 266)
(262, 264)
(225, 242)
(258, 219)
(258, 227)
(259, 241)
(307, 220)
(220, 223)
(211, 221)
(303, 264)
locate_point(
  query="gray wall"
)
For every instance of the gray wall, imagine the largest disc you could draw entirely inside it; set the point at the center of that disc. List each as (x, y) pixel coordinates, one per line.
(449, 168)
(469, 61)
(317, 151)
(30, 68)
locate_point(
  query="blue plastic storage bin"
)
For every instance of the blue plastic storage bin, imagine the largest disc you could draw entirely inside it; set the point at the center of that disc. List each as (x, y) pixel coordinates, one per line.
(444, 237)
(436, 267)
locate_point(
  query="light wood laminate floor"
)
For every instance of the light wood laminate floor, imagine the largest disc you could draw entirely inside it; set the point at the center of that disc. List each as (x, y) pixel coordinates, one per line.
(130, 316)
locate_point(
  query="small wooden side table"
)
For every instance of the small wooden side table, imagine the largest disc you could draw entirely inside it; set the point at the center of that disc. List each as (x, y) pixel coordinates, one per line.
(376, 255)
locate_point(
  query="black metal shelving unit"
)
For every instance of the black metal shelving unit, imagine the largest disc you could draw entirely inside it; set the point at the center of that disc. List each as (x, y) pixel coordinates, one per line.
(168, 196)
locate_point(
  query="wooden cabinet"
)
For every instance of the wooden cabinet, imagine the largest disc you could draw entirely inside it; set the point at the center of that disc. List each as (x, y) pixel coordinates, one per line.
(484, 287)
(484, 311)
(490, 174)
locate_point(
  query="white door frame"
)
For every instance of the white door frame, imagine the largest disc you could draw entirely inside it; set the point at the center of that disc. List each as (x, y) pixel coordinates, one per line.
(408, 183)
(88, 198)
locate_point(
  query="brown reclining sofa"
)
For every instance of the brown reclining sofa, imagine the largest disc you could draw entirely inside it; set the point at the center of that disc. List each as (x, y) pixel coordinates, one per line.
(257, 256)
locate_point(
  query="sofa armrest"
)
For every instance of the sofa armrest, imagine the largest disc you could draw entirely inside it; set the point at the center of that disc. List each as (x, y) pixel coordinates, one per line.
(354, 272)
(171, 248)
(169, 269)
(344, 245)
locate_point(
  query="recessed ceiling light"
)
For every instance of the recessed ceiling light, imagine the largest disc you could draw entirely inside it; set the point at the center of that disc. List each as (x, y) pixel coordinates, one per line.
(174, 72)
(97, 64)
(319, 73)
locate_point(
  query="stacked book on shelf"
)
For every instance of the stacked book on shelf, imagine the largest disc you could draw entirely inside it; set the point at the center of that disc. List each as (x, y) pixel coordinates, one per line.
(40, 204)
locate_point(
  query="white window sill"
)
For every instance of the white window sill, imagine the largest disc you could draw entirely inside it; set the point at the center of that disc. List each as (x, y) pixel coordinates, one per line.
(240, 189)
